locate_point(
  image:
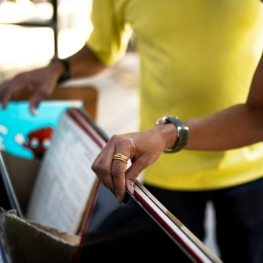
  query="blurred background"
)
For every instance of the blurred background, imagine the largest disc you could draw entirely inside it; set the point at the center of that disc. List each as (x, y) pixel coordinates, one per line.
(34, 31)
(26, 47)
(35, 45)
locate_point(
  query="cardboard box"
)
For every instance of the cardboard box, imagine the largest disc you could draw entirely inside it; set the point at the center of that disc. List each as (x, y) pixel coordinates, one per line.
(24, 241)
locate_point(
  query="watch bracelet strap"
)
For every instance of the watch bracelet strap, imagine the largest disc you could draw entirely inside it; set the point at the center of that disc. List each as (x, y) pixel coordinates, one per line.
(182, 136)
(182, 133)
(67, 69)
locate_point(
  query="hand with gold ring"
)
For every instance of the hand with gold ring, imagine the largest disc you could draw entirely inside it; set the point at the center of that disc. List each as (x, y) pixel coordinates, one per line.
(142, 148)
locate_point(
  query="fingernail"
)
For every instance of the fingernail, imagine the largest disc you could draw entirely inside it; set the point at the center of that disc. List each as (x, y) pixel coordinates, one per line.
(34, 111)
(119, 198)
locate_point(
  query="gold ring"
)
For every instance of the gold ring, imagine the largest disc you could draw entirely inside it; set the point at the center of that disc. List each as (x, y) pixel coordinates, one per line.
(120, 157)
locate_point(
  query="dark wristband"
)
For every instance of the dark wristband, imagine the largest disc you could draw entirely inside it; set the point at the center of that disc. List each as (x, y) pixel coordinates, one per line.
(67, 70)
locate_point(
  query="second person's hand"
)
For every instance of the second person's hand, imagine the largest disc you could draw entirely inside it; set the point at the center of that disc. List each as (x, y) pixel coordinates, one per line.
(41, 82)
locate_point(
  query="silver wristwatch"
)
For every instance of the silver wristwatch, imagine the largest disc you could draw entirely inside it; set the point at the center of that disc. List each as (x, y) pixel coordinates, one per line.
(182, 132)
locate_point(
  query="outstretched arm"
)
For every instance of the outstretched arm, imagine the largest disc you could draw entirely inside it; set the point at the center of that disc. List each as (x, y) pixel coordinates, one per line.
(234, 127)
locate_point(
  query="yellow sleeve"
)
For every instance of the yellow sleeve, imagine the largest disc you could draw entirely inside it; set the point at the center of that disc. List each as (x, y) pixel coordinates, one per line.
(111, 34)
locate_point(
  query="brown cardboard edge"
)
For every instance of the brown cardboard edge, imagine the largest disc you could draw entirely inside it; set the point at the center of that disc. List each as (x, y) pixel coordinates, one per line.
(22, 173)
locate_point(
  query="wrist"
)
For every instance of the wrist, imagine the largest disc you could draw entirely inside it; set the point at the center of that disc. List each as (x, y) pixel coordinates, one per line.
(64, 69)
(182, 133)
(168, 134)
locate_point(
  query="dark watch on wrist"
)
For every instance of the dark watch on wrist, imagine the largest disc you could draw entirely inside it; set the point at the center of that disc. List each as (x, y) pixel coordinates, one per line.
(182, 133)
(67, 70)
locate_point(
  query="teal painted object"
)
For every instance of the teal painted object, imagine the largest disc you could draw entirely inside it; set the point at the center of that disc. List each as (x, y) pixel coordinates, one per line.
(21, 132)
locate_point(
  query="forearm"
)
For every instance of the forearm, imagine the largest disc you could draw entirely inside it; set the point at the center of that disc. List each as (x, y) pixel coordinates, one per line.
(231, 128)
(234, 127)
(85, 63)
(82, 64)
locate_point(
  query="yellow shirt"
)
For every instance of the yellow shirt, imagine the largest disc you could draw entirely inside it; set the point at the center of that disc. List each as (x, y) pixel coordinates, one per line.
(196, 57)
